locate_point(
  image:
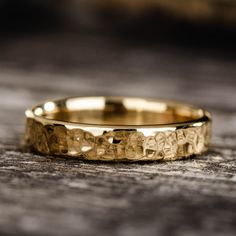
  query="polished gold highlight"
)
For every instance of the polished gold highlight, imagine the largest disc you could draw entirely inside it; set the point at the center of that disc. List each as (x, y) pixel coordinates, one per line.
(117, 128)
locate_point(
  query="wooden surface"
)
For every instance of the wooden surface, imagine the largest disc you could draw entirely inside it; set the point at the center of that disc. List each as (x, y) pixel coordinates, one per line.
(53, 196)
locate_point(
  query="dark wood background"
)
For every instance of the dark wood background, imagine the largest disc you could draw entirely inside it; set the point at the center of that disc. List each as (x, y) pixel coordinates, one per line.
(55, 196)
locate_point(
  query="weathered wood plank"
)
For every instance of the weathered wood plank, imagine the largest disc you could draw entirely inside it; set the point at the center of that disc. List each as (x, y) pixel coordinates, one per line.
(54, 196)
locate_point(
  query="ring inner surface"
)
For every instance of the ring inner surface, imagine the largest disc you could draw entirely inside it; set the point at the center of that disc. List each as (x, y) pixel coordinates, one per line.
(118, 111)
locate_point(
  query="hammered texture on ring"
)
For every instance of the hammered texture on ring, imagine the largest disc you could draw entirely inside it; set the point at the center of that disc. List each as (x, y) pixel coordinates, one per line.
(59, 128)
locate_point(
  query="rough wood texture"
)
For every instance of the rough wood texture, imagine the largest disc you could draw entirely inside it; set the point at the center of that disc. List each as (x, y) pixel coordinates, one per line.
(54, 196)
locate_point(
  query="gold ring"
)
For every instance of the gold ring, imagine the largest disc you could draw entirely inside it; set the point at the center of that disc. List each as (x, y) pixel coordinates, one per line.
(118, 128)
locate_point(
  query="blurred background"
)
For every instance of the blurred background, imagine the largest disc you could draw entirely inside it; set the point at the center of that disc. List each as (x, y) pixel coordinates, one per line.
(177, 49)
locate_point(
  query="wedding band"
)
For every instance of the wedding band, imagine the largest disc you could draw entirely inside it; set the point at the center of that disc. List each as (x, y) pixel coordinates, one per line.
(118, 128)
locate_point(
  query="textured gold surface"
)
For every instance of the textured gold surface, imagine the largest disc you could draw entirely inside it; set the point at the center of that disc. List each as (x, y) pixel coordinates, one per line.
(159, 143)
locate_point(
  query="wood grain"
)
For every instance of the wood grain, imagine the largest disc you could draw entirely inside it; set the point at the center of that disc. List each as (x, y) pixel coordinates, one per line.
(55, 196)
